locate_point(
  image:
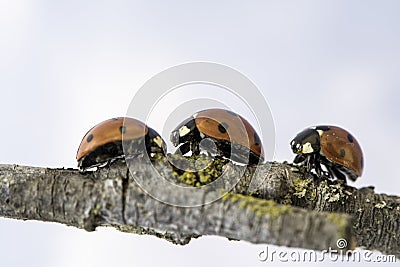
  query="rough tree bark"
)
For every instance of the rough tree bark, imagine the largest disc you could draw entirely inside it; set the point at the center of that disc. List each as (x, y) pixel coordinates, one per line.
(286, 208)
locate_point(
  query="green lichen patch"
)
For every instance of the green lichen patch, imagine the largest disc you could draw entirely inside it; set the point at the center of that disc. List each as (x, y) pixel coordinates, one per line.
(261, 207)
(96, 210)
(304, 188)
(286, 200)
(158, 156)
(342, 224)
(332, 191)
(197, 170)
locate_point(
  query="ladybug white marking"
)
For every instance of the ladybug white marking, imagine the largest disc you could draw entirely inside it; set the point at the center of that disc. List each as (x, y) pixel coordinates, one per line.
(307, 148)
(320, 132)
(183, 131)
(158, 141)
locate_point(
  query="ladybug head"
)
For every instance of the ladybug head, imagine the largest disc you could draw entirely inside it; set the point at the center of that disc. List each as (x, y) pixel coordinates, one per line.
(306, 142)
(184, 132)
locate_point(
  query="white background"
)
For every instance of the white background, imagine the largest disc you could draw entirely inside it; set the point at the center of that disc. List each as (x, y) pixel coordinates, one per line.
(67, 65)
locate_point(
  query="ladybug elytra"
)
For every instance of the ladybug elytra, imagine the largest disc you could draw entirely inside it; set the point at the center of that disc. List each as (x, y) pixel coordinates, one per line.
(330, 146)
(220, 132)
(103, 142)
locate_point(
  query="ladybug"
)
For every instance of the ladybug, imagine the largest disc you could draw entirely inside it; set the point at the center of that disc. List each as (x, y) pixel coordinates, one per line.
(331, 146)
(219, 132)
(103, 142)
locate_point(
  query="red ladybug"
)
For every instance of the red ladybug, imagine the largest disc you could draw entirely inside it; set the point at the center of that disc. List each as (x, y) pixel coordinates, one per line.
(228, 131)
(331, 146)
(103, 142)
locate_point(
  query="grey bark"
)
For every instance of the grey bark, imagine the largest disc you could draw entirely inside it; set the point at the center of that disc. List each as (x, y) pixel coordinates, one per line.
(287, 207)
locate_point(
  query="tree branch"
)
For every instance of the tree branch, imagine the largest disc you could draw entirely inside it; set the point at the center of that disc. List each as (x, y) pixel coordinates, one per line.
(287, 208)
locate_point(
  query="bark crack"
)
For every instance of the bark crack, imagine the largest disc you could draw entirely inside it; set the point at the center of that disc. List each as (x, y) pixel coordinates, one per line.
(53, 182)
(125, 186)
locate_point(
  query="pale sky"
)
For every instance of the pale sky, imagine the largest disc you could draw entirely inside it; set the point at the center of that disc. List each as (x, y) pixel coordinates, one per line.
(67, 66)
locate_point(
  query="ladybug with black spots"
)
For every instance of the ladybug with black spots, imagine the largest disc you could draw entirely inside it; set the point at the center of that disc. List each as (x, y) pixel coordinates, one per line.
(330, 146)
(104, 142)
(220, 132)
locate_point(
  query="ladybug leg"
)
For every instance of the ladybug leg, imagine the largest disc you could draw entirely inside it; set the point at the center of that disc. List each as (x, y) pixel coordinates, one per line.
(338, 174)
(330, 173)
(194, 147)
(111, 161)
(312, 162)
(308, 163)
(299, 158)
(183, 149)
(322, 173)
(149, 146)
(318, 169)
(187, 147)
(333, 171)
(316, 165)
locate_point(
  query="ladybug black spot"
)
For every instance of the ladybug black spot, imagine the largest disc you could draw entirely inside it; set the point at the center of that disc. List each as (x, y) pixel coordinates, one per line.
(114, 119)
(89, 138)
(222, 127)
(122, 129)
(342, 153)
(350, 137)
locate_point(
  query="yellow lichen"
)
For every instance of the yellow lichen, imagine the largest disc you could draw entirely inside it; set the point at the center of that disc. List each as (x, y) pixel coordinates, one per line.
(304, 188)
(340, 221)
(96, 210)
(287, 199)
(199, 170)
(261, 207)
